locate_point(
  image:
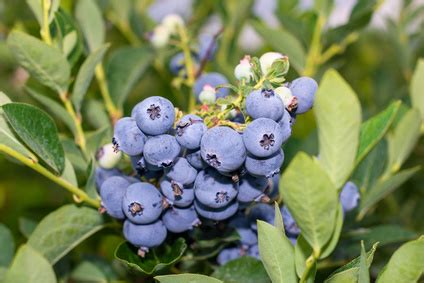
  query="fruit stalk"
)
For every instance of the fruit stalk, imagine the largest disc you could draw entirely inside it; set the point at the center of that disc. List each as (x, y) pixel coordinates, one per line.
(79, 193)
(113, 111)
(45, 31)
(185, 46)
(310, 262)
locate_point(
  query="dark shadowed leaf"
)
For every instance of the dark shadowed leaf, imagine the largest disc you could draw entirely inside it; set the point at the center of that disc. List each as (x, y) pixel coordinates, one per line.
(417, 86)
(7, 246)
(187, 278)
(91, 22)
(245, 269)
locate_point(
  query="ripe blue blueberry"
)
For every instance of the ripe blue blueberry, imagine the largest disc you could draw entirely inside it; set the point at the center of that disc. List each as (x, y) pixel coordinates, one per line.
(176, 193)
(207, 46)
(189, 131)
(217, 214)
(181, 172)
(178, 220)
(266, 166)
(112, 193)
(248, 237)
(223, 149)
(145, 236)
(159, 9)
(264, 104)
(263, 137)
(213, 189)
(286, 124)
(349, 197)
(195, 159)
(102, 175)
(155, 115)
(212, 79)
(161, 151)
(289, 223)
(252, 189)
(253, 251)
(304, 88)
(261, 211)
(228, 254)
(127, 137)
(273, 189)
(142, 203)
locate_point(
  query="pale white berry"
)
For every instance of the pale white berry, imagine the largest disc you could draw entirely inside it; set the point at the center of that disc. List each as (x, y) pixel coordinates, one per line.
(244, 70)
(285, 94)
(268, 59)
(207, 95)
(160, 36)
(107, 157)
(173, 22)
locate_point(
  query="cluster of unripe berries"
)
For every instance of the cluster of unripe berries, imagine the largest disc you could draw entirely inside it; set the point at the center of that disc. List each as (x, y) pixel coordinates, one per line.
(192, 167)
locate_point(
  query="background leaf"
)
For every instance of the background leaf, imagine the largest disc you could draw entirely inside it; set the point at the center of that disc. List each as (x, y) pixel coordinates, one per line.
(406, 264)
(338, 116)
(63, 229)
(417, 86)
(363, 273)
(331, 245)
(124, 69)
(35, 6)
(155, 260)
(245, 269)
(276, 252)
(91, 22)
(7, 246)
(187, 278)
(39, 133)
(311, 198)
(45, 63)
(29, 266)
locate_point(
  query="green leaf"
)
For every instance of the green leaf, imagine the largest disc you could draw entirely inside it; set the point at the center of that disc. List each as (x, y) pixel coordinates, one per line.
(363, 273)
(245, 269)
(284, 42)
(87, 271)
(187, 278)
(29, 266)
(403, 139)
(7, 137)
(69, 173)
(384, 187)
(338, 116)
(302, 251)
(7, 246)
(324, 7)
(39, 133)
(36, 6)
(98, 138)
(276, 252)
(95, 113)
(90, 186)
(27, 226)
(3, 271)
(63, 229)
(54, 107)
(374, 129)
(85, 75)
(45, 63)
(124, 69)
(349, 272)
(331, 245)
(417, 86)
(155, 260)
(90, 19)
(406, 264)
(278, 218)
(311, 198)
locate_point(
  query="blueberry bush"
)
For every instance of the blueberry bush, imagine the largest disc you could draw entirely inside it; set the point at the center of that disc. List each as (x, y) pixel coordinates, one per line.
(211, 141)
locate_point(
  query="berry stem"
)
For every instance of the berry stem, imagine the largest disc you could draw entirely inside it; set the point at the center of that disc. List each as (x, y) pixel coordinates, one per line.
(113, 111)
(315, 50)
(310, 262)
(79, 193)
(45, 30)
(191, 76)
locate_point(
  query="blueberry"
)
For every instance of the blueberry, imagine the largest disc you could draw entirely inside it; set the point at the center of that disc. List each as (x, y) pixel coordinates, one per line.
(145, 236)
(304, 89)
(207, 95)
(261, 211)
(189, 131)
(154, 115)
(264, 104)
(177, 194)
(178, 220)
(102, 175)
(349, 197)
(252, 188)
(181, 172)
(253, 251)
(286, 123)
(289, 100)
(142, 203)
(266, 166)
(289, 223)
(223, 149)
(112, 192)
(195, 159)
(228, 254)
(161, 151)
(177, 64)
(207, 46)
(212, 79)
(127, 137)
(213, 189)
(217, 214)
(263, 137)
(273, 188)
(248, 237)
(107, 156)
(159, 9)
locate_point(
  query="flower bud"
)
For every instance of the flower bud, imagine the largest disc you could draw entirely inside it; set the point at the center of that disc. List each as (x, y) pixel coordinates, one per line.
(172, 22)
(160, 36)
(208, 95)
